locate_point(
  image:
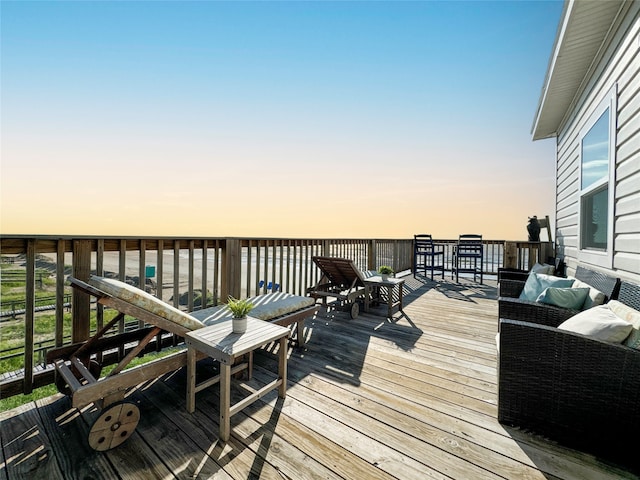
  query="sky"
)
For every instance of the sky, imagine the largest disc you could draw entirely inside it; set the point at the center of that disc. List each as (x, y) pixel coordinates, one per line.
(301, 119)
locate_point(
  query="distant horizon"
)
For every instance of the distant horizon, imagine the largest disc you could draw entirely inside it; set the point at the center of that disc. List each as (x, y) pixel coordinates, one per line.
(274, 119)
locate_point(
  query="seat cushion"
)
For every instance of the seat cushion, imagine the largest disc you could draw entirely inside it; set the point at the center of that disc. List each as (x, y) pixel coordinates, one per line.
(144, 300)
(266, 307)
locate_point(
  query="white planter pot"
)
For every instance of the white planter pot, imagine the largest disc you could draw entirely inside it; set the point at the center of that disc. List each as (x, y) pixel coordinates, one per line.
(384, 276)
(239, 325)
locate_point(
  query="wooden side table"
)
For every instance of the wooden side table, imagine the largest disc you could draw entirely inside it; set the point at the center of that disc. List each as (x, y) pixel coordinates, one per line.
(220, 343)
(376, 282)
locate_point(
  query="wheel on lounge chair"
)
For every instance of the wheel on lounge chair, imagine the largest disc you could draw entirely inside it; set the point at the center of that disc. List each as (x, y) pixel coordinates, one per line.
(115, 424)
(355, 310)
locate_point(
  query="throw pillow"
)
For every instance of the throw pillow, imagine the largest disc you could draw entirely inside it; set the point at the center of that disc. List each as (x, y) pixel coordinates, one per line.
(537, 282)
(595, 297)
(630, 315)
(572, 298)
(599, 323)
(543, 268)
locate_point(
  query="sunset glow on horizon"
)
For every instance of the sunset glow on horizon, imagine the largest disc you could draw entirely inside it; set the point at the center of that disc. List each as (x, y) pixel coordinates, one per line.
(274, 119)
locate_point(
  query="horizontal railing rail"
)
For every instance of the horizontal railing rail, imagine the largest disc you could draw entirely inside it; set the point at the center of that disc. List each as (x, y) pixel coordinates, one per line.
(189, 273)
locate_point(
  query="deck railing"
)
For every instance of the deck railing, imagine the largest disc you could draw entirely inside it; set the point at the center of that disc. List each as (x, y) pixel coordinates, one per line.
(189, 273)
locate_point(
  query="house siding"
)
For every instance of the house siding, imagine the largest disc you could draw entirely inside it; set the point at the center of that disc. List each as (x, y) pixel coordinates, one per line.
(621, 68)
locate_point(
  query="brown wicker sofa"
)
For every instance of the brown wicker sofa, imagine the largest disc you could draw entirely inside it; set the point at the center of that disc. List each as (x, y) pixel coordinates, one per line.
(514, 308)
(582, 392)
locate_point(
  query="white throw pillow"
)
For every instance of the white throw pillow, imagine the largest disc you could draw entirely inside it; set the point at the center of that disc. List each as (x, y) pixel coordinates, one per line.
(595, 297)
(630, 315)
(600, 323)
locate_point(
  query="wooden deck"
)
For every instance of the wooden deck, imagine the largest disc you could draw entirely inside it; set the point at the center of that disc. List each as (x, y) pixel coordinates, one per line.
(367, 399)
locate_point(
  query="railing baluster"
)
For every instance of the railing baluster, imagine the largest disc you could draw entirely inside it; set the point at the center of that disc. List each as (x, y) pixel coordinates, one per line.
(29, 320)
(160, 270)
(59, 333)
(190, 294)
(204, 303)
(176, 273)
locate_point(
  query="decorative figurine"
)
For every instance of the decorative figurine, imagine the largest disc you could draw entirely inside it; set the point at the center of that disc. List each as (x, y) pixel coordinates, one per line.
(534, 229)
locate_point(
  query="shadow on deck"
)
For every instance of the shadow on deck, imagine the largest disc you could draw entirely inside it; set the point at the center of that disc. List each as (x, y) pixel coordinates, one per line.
(368, 398)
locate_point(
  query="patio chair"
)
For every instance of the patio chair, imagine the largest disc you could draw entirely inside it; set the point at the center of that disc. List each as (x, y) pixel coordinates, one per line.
(575, 389)
(342, 280)
(468, 256)
(78, 368)
(427, 255)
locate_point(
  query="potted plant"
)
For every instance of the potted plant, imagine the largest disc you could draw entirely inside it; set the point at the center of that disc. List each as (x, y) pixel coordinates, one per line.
(240, 310)
(385, 271)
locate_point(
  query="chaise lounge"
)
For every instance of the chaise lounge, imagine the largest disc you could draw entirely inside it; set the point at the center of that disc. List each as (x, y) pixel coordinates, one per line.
(342, 280)
(78, 367)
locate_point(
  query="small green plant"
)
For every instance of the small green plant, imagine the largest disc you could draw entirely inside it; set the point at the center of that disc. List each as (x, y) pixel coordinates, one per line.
(385, 270)
(239, 308)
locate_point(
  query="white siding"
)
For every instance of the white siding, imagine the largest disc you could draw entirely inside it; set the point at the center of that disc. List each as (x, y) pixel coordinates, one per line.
(622, 68)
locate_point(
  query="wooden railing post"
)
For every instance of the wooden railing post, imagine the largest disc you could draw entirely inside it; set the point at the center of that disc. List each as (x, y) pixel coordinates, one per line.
(81, 310)
(510, 256)
(371, 255)
(545, 252)
(231, 269)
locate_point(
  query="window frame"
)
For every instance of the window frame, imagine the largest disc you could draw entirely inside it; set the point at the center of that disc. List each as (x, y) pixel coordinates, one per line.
(598, 257)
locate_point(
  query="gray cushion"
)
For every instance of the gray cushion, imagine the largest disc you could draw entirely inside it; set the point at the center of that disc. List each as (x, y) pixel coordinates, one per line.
(142, 299)
(267, 307)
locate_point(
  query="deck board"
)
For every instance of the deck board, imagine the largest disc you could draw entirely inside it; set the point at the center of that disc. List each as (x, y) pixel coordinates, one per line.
(367, 398)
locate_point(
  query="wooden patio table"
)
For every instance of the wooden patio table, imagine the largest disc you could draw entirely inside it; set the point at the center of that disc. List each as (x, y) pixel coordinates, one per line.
(220, 343)
(376, 282)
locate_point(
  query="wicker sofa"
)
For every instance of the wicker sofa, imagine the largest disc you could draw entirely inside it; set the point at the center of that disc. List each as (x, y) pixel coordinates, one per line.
(582, 392)
(514, 308)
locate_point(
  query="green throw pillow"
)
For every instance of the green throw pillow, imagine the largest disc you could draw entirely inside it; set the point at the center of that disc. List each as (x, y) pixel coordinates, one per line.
(572, 298)
(537, 283)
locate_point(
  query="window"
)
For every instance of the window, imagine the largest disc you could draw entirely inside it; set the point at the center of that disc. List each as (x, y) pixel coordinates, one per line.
(597, 173)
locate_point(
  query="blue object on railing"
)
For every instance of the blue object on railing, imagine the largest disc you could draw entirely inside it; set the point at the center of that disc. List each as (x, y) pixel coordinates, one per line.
(261, 284)
(269, 286)
(276, 287)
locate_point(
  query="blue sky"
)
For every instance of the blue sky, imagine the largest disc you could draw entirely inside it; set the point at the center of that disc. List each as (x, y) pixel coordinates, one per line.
(306, 110)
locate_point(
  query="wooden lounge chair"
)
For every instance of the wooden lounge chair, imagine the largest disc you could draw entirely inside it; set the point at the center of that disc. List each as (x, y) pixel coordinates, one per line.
(342, 280)
(78, 367)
